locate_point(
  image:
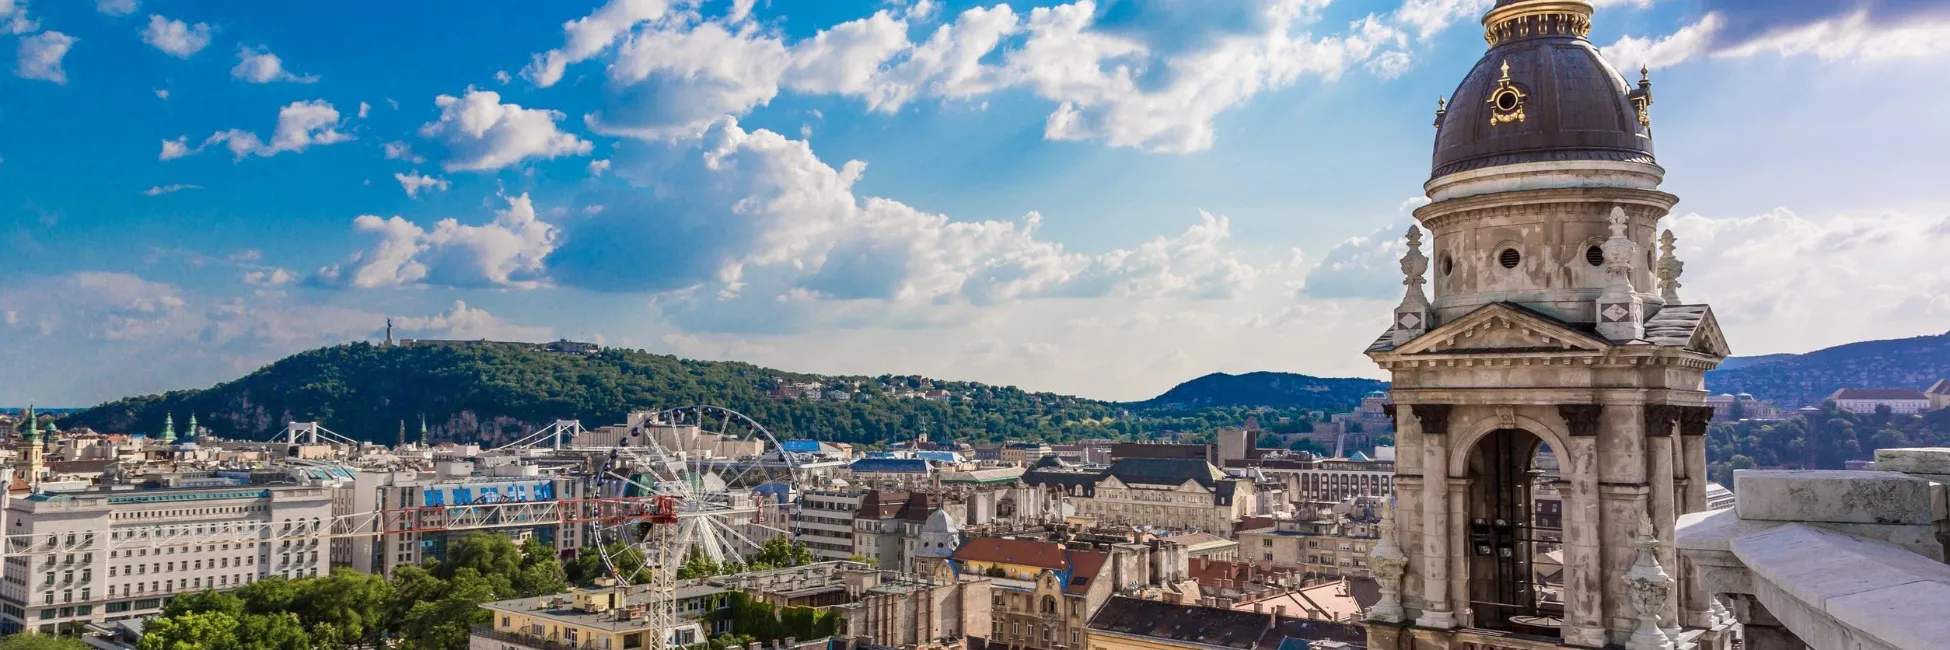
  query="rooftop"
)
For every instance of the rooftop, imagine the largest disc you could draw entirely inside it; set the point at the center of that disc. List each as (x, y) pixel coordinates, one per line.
(1206, 626)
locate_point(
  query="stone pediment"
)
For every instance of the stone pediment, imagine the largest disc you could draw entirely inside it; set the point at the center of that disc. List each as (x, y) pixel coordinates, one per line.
(1110, 482)
(1692, 327)
(1501, 327)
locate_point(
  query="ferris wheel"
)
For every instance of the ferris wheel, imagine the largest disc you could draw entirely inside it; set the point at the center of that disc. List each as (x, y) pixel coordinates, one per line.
(704, 480)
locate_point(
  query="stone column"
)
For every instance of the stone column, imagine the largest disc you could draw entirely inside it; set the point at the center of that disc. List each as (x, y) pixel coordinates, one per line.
(1584, 617)
(1439, 612)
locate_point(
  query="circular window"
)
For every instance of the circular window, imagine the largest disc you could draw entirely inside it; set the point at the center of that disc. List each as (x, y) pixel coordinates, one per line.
(1448, 265)
(1506, 101)
(1509, 258)
(1594, 256)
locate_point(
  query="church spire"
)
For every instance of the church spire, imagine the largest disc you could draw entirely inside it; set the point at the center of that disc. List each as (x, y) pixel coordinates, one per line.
(169, 427)
(423, 430)
(191, 432)
(28, 424)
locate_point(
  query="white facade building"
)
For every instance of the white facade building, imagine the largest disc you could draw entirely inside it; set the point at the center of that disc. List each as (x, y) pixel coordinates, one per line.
(1901, 401)
(91, 557)
(824, 522)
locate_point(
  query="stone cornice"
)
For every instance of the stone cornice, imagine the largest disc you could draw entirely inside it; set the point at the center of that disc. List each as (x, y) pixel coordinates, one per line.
(1640, 204)
(1625, 357)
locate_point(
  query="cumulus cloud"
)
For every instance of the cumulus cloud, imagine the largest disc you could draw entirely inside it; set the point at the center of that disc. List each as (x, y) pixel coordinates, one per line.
(1864, 30)
(39, 56)
(269, 278)
(1363, 267)
(1768, 275)
(121, 334)
(1150, 75)
(116, 7)
(14, 18)
(483, 134)
(598, 167)
(413, 182)
(260, 66)
(175, 37)
(301, 125)
(160, 190)
(506, 253)
(768, 225)
(397, 150)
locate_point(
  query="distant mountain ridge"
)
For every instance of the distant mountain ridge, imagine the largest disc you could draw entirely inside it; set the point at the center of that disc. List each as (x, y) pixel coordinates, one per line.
(1796, 380)
(1271, 389)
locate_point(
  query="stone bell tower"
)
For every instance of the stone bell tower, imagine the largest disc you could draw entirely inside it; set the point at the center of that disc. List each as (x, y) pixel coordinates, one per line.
(1553, 329)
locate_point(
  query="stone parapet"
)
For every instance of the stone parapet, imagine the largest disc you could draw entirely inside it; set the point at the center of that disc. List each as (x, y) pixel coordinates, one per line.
(1840, 497)
(1932, 463)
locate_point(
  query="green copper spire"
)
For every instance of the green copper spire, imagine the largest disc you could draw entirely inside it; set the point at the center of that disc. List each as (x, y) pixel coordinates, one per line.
(423, 430)
(169, 428)
(27, 424)
(191, 432)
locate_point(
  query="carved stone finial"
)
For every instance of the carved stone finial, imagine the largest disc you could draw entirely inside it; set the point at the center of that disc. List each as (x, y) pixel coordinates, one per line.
(1669, 269)
(1620, 309)
(1389, 563)
(1441, 110)
(1413, 316)
(1648, 587)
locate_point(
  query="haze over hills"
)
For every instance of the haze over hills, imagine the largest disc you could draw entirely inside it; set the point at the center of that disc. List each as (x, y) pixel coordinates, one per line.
(1270, 389)
(1795, 380)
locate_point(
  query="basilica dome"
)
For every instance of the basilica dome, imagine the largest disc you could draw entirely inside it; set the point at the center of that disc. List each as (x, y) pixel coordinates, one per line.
(1541, 93)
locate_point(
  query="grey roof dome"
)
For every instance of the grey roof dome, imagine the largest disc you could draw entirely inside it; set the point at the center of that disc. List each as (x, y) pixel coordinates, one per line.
(941, 522)
(1568, 101)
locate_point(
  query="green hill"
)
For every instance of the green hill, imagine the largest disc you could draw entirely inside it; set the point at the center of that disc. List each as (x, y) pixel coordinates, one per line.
(1268, 389)
(1796, 380)
(495, 392)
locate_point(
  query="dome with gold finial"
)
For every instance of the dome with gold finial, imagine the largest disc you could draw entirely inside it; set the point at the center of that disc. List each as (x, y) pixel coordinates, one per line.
(1542, 93)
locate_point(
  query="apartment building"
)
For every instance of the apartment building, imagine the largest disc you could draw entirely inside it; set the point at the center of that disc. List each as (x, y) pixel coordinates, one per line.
(435, 509)
(824, 521)
(90, 557)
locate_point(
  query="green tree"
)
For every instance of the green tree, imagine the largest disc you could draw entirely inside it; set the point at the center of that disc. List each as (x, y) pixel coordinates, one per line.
(281, 631)
(444, 623)
(487, 554)
(345, 608)
(541, 571)
(205, 601)
(190, 631)
(270, 595)
(31, 641)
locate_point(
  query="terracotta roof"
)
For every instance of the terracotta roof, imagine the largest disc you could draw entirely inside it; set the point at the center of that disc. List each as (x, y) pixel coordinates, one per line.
(1048, 555)
(1212, 627)
(1878, 393)
(1084, 567)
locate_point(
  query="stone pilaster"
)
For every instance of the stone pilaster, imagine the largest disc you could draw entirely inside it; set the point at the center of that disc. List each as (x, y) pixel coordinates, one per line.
(1660, 423)
(1584, 619)
(1439, 611)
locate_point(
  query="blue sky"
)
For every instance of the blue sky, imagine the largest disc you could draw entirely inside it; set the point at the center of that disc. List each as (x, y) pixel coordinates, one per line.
(1095, 198)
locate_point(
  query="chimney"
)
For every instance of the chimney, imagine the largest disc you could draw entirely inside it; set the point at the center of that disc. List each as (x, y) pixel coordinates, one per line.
(1278, 611)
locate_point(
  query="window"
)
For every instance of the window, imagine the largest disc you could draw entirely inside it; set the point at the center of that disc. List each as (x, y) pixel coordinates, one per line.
(1266, 542)
(1509, 258)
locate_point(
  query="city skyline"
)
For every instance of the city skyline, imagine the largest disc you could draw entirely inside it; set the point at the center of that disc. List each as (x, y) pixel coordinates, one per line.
(1095, 199)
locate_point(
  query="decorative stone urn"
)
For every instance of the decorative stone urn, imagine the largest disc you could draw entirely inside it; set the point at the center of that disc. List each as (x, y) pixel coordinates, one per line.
(1648, 587)
(1388, 562)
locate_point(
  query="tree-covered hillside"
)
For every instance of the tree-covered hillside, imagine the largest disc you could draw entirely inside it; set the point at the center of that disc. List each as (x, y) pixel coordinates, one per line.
(1271, 389)
(494, 392)
(1806, 379)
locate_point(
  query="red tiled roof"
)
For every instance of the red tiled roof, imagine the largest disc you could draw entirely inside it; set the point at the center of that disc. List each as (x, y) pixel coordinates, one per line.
(1084, 567)
(1048, 555)
(1878, 393)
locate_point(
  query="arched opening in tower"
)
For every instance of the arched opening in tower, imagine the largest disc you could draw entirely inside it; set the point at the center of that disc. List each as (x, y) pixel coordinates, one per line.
(1514, 532)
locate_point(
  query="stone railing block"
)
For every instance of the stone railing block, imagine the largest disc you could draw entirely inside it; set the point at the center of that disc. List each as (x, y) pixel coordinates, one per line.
(1834, 496)
(1914, 460)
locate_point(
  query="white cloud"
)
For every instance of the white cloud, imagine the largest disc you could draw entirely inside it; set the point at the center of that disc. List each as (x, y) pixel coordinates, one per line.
(776, 234)
(467, 323)
(1853, 30)
(502, 77)
(14, 19)
(262, 67)
(483, 134)
(176, 37)
(160, 190)
(270, 278)
(116, 7)
(507, 253)
(413, 182)
(364, 110)
(1768, 275)
(588, 36)
(397, 150)
(1363, 267)
(598, 167)
(39, 56)
(1154, 81)
(162, 93)
(300, 126)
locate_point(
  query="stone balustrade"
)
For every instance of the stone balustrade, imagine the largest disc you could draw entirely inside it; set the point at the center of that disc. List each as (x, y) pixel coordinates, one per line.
(1827, 559)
